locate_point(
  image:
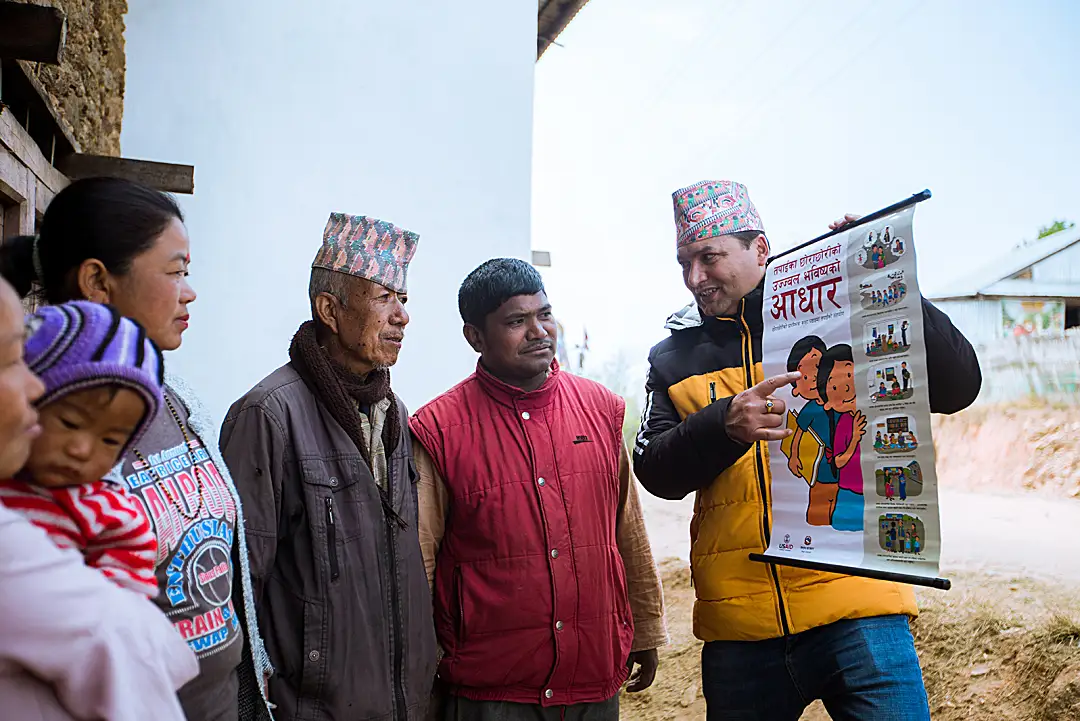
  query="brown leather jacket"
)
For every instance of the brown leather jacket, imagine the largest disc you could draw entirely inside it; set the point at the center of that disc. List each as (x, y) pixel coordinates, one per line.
(340, 593)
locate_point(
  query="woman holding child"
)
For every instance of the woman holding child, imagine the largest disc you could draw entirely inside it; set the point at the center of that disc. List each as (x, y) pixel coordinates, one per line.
(73, 644)
(114, 242)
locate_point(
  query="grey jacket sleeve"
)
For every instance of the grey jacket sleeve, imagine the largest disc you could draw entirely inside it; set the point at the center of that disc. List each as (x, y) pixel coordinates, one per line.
(253, 444)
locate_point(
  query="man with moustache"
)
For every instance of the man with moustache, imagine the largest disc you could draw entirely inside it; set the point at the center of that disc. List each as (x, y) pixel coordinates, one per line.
(546, 594)
(776, 637)
(322, 458)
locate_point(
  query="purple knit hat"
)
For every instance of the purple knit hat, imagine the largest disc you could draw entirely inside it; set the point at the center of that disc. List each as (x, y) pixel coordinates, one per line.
(80, 345)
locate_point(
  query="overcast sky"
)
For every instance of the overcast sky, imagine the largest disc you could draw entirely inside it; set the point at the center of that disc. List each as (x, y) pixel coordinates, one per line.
(819, 108)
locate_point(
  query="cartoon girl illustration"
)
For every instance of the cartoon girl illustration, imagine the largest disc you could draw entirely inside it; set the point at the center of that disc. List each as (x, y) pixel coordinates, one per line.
(804, 358)
(889, 493)
(836, 386)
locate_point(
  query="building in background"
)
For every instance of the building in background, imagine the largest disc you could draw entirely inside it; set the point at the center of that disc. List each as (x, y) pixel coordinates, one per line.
(1034, 291)
(554, 16)
(61, 105)
(415, 112)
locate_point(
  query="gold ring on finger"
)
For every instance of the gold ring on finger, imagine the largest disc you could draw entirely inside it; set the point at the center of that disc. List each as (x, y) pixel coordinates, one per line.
(769, 405)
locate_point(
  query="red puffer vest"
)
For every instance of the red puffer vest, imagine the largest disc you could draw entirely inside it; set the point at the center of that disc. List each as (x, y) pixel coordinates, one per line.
(530, 591)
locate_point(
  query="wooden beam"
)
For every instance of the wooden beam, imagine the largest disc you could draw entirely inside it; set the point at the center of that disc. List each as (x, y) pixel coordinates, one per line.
(15, 139)
(30, 31)
(46, 100)
(167, 177)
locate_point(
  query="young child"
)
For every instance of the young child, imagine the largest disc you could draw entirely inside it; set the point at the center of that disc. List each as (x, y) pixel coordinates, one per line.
(103, 380)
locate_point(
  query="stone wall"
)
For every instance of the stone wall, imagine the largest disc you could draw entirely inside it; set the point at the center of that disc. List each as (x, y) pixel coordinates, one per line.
(88, 86)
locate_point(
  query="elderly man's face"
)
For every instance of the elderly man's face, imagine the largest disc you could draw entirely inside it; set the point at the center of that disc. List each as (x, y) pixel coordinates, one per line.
(369, 326)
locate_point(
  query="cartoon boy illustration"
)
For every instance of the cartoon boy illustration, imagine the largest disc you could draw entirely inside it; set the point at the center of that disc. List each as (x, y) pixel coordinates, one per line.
(804, 357)
(916, 543)
(836, 387)
(906, 375)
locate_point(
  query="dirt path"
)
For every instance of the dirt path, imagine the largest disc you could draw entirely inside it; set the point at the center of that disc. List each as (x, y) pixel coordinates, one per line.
(1025, 535)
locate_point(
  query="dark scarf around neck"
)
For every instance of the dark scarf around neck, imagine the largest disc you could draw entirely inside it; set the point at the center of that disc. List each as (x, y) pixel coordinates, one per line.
(337, 388)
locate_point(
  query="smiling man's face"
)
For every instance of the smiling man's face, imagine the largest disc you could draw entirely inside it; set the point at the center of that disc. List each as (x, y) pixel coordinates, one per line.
(721, 271)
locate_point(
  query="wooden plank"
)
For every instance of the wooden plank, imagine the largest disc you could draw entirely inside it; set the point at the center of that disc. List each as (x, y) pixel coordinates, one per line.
(30, 31)
(14, 186)
(65, 128)
(15, 192)
(43, 196)
(167, 177)
(18, 142)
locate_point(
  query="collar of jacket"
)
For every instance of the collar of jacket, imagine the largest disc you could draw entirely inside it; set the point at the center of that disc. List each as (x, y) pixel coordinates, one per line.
(512, 396)
(690, 316)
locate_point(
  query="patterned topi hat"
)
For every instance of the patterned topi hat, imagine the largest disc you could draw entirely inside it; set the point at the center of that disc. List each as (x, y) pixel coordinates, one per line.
(713, 208)
(367, 248)
(79, 345)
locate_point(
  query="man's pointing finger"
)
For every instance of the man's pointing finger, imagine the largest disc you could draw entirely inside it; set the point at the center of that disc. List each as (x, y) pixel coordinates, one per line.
(771, 385)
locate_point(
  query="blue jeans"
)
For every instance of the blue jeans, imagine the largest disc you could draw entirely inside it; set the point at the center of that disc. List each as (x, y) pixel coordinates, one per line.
(863, 670)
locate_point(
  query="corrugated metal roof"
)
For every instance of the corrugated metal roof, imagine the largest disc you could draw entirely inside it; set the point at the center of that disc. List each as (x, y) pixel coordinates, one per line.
(999, 274)
(552, 19)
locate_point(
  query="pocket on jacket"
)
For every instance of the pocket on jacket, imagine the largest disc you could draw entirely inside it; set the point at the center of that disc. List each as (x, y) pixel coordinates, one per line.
(339, 480)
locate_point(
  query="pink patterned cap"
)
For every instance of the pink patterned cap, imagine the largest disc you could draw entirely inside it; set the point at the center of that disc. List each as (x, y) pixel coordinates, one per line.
(712, 208)
(367, 248)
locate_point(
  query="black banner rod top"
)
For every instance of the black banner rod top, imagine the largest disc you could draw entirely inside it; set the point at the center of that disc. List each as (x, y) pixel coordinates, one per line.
(942, 584)
(876, 215)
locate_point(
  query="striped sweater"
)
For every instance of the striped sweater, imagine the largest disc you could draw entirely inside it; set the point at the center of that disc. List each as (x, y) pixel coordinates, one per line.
(98, 519)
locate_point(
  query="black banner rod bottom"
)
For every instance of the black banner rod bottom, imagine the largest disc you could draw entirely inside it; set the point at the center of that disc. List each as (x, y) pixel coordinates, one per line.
(942, 584)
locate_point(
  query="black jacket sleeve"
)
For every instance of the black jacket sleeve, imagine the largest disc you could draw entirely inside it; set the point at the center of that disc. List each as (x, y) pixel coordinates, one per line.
(673, 457)
(953, 374)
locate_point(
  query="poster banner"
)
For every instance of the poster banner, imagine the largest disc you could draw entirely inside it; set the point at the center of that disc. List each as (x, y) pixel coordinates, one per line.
(854, 486)
(1032, 318)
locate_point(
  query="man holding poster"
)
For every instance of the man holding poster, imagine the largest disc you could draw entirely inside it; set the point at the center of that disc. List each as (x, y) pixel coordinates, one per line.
(778, 637)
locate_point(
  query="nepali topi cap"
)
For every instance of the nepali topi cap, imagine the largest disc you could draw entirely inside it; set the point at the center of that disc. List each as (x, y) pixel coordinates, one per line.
(367, 248)
(712, 208)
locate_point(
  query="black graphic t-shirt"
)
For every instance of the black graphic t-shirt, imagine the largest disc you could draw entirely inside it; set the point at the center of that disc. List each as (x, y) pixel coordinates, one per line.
(195, 533)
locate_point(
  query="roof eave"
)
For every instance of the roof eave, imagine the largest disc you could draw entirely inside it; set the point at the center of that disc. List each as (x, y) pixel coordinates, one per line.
(552, 19)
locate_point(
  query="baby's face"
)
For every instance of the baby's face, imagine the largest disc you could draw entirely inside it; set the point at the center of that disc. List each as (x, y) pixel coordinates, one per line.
(82, 435)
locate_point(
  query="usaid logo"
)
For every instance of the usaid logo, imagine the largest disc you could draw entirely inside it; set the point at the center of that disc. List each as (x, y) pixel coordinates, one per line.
(787, 545)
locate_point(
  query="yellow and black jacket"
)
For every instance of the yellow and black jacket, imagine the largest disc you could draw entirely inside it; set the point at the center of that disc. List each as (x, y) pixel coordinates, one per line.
(683, 448)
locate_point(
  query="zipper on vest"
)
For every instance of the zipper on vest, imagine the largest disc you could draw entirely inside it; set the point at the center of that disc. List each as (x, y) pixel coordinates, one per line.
(459, 596)
(397, 654)
(748, 368)
(331, 539)
(712, 392)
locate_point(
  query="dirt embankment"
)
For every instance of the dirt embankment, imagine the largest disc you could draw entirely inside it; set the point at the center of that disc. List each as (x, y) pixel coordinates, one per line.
(991, 649)
(1010, 449)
